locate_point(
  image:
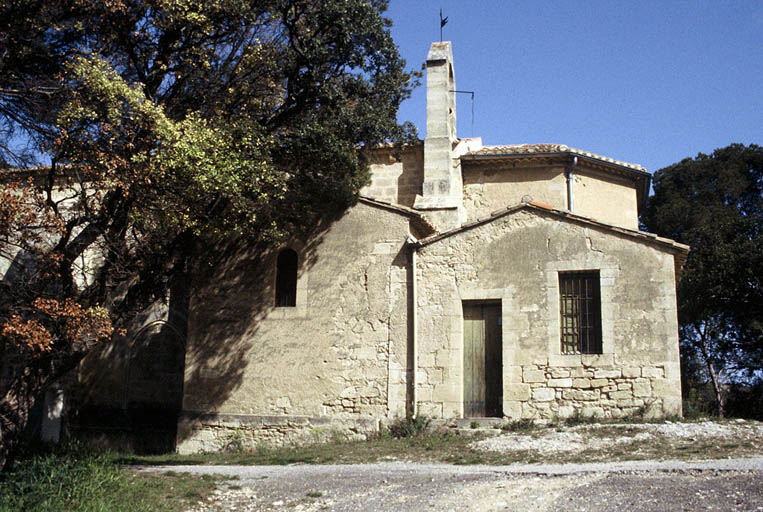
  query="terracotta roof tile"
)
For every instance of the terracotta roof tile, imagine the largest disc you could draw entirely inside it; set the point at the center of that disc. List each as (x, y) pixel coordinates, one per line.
(528, 149)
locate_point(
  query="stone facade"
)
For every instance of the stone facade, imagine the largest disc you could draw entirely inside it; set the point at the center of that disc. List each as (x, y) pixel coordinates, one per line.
(383, 317)
(513, 260)
(590, 389)
(340, 353)
(378, 329)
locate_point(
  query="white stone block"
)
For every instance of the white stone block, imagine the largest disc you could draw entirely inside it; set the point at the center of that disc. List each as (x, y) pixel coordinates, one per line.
(581, 383)
(642, 389)
(651, 372)
(543, 394)
(512, 409)
(608, 374)
(533, 375)
(592, 412)
(664, 388)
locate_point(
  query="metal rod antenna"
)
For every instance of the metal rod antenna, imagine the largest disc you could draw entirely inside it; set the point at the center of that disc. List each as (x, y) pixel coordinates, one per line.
(472, 94)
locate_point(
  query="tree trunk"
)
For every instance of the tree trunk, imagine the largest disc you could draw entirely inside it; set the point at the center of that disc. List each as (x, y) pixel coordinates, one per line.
(26, 388)
(719, 400)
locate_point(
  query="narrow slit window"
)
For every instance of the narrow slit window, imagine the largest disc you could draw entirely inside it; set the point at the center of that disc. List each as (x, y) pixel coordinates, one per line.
(286, 279)
(580, 312)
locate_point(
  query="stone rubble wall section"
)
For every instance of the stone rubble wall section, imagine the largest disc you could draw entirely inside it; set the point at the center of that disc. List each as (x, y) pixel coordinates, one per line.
(563, 392)
(364, 329)
(341, 351)
(250, 432)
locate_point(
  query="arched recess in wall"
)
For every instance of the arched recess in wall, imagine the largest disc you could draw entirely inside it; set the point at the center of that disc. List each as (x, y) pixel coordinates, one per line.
(286, 278)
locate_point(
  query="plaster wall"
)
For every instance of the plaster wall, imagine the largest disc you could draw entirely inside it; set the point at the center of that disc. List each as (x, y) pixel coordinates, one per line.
(340, 354)
(515, 259)
(605, 199)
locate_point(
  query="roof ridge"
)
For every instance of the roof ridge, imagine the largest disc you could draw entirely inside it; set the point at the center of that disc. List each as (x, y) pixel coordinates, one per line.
(521, 149)
(543, 207)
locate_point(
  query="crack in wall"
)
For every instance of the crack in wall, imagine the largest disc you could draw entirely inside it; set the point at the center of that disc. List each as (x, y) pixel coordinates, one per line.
(589, 243)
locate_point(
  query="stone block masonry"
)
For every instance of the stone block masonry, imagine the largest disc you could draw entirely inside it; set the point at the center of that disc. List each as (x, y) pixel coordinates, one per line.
(214, 432)
(546, 393)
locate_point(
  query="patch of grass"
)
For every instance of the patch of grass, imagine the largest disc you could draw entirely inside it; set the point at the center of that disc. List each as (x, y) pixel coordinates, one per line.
(73, 478)
(616, 442)
(430, 446)
(314, 494)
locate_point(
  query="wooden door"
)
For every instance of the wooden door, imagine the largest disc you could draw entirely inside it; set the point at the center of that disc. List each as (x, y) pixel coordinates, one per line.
(483, 368)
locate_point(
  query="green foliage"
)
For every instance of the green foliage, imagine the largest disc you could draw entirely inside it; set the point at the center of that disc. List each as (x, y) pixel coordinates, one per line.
(410, 426)
(57, 481)
(73, 478)
(698, 402)
(714, 203)
(745, 400)
(176, 127)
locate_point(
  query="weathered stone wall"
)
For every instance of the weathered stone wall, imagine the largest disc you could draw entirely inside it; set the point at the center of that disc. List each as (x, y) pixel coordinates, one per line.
(515, 259)
(341, 352)
(608, 199)
(592, 390)
(396, 175)
(213, 432)
(489, 188)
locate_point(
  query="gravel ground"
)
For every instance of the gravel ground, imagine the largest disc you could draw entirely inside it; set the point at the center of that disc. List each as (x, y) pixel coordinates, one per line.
(579, 438)
(632, 486)
(637, 486)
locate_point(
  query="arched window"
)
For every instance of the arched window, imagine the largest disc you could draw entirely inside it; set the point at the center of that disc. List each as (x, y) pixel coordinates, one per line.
(286, 279)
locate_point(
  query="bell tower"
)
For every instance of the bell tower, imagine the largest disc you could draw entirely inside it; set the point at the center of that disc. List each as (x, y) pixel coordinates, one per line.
(441, 196)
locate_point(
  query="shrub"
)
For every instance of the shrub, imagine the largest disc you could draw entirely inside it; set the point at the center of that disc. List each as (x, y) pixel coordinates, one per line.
(409, 426)
(519, 426)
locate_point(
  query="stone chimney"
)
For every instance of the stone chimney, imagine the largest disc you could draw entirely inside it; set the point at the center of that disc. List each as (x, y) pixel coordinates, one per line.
(441, 196)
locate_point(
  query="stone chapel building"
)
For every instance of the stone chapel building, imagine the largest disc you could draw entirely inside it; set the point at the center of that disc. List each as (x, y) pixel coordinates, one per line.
(469, 281)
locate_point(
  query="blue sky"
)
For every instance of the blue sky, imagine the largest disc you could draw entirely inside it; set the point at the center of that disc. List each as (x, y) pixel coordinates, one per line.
(646, 82)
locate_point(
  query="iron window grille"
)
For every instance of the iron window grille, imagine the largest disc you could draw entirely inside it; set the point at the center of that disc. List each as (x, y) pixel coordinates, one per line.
(580, 312)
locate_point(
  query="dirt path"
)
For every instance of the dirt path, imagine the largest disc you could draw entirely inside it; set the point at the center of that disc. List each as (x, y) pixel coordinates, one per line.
(634, 486)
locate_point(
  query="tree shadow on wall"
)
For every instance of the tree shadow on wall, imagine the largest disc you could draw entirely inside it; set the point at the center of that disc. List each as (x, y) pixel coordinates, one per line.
(231, 299)
(181, 358)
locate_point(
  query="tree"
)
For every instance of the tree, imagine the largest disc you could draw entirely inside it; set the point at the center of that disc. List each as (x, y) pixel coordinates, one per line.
(714, 203)
(162, 126)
